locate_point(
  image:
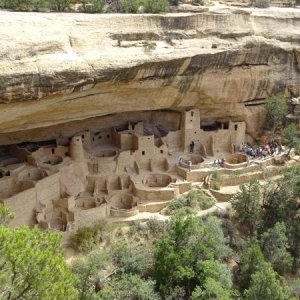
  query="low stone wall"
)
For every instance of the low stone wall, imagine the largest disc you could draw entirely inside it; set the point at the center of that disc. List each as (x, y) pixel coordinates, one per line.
(153, 194)
(152, 206)
(221, 197)
(117, 212)
(88, 217)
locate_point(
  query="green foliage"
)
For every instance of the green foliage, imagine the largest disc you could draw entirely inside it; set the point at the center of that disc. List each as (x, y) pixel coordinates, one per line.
(129, 287)
(33, 266)
(5, 215)
(60, 5)
(37, 5)
(261, 3)
(290, 136)
(195, 200)
(274, 244)
(89, 272)
(200, 2)
(212, 290)
(131, 260)
(155, 6)
(85, 239)
(186, 242)
(266, 284)
(216, 271)
(276, 107)
(280, 202)
(247, 206)
(156, 227)
(130, 6)
(95, 6)
(252, 258)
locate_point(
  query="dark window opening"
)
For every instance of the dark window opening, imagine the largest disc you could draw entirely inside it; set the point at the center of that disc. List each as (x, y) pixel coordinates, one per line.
(235, 127)
(161, 151)
(66, 153)
(213, 126)
(143, 152)
(191, 120)
(100, 137)
(195, 132)
(108, 136)
(82, 137)
(52, 151)
(192, 113)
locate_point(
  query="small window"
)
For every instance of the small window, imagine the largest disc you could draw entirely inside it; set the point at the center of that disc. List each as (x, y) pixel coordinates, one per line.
(108, 136)
(69, 139)
(82, 137)
(143, 152)
(161, 151)
(192, 113)
(195, 132)
(93, 138)
(77, 140)
(66, 153)
(235, 127)
(52, 150)
(100, 137)
(191, 120)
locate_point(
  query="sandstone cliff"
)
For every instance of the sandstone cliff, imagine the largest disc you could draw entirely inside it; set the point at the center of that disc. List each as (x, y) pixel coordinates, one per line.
(60, 68)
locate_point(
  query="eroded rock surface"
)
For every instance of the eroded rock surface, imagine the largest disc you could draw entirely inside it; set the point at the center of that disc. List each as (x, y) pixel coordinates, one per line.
(60, 68)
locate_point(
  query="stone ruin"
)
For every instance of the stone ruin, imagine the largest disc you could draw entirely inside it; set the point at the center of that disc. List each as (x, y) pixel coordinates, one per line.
(114, 172)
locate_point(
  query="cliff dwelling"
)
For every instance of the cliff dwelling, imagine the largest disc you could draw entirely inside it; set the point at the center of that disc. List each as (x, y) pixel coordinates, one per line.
(92, 128)
(118, 171)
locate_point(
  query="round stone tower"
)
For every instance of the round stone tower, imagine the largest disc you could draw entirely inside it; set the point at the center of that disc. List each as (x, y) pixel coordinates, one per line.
(76, 149)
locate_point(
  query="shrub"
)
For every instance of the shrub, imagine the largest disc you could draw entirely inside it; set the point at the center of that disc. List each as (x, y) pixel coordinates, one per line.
(85, 239)
(200, 2)
(155, 6)
(95, 6)
(156, 227)
(130, 6)
(261, 3)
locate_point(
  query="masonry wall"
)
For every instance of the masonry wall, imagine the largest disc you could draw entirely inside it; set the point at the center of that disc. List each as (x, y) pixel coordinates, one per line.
(23, 205)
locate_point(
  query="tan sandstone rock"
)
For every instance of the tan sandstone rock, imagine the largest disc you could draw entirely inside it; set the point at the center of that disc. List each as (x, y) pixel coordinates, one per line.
(60, 68)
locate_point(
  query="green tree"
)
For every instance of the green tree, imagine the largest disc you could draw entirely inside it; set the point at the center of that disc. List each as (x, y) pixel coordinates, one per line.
(246, 204)
(129, 287)
(5, 215)
(131, 260)
(95, 6)
(186, 242)
(89, 271)
(214, 270)
(276, 109)
(33, 266)
(60, 5)
(266, 284)
(212, 290)
(252, 257)
(274, 244)
(290, 136)
(279, 202)
(155, 6)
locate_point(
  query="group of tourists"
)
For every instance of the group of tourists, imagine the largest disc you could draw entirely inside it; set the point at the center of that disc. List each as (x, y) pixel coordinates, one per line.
(271, 148)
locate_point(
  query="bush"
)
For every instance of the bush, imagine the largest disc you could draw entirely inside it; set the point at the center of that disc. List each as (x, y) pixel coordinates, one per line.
(200, 2)
(195, 200)
(85, 239)
(155, 6)
(130, 6)
(95, 6)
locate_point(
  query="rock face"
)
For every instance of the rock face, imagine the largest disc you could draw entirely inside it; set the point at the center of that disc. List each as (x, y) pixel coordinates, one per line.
(58, 69)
